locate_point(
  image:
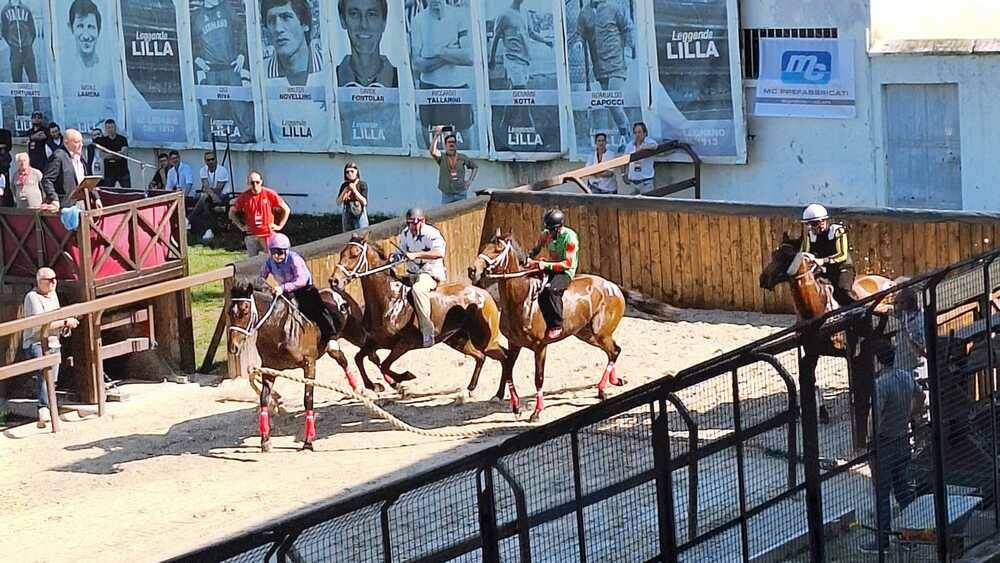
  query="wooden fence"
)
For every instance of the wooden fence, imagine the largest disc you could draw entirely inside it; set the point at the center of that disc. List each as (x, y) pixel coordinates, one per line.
(709, 255)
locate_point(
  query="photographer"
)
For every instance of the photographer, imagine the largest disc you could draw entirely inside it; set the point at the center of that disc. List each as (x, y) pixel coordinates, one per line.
(452, 166)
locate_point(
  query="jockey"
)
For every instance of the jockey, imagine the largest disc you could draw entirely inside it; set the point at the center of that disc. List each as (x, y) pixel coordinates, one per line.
(828, 243)
(560, 267)
(292, 275)
(423, 247)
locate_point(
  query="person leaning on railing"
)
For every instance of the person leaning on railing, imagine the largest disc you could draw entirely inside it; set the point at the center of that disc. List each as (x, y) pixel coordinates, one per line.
(43, 299)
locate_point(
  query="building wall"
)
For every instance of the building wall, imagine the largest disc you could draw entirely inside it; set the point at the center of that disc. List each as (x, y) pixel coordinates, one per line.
(932, 19)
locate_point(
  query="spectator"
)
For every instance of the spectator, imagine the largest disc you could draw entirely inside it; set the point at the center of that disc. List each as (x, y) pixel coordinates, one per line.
(6, 142)
(37, 137)
(180, 176)
(602, 182)
(213, 183)
(66, 169)
(353, 198)
(43, 299)
(257, 204)
(27, 187)
(115, 167)
(452, 166)
(640, 172)
(159, 181)
(6, 196)
(55, 140)
(892, 401)
(95, 159)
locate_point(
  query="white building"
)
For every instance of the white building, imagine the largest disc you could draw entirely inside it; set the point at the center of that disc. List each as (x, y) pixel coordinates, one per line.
(928, 117)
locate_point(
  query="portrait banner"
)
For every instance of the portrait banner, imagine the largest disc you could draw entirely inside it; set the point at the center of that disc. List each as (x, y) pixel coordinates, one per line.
(521, 61)
(697, 94)
(88, 62)
(154, 100)
(369, 43)
(297, 79)
(443, 55)
(223, 73)
(24, 64)
(606, 72)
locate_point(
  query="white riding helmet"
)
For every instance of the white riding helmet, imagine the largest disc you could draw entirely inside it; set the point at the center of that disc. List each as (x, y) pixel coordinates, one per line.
(814, 212)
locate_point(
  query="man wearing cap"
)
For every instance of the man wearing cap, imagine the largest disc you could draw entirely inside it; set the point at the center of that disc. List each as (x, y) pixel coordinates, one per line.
(423, 247)
(828, 243)
(562, 245)
(43, 299)
(257, 204)
(292, 277)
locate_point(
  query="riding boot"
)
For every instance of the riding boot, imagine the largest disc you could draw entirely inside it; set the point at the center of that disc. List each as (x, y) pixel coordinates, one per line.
(551, 305)
(843, 284)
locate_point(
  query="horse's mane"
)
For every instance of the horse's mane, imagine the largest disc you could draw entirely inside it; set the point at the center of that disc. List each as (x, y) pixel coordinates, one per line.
(519, 251)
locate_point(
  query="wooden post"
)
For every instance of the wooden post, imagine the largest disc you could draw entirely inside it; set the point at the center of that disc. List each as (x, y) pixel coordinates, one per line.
(98, 364)
(220, 327)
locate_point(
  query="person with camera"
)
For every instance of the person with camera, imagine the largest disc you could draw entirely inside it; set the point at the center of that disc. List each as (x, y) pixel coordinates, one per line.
(453, 182)
(353, 197)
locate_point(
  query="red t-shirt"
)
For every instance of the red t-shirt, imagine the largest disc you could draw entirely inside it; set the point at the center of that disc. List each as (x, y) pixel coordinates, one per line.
(258, 210)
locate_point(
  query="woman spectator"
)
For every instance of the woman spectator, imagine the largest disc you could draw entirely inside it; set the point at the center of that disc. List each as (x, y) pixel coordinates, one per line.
(27, 186)
(353, 197)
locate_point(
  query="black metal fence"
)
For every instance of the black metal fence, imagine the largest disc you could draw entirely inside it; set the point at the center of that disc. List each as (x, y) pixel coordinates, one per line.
(868, 434)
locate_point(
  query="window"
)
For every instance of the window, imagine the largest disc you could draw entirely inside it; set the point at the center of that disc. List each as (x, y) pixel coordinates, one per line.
(750, 43)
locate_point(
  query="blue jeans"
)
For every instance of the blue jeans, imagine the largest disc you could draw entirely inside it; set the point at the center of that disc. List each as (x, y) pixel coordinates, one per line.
(452, 198)
(350, 223)
(36, 352)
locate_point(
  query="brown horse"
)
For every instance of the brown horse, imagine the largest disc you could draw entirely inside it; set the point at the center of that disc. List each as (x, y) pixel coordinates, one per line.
(465, 318)
(812, 299)
(592, 309)
(285, 340)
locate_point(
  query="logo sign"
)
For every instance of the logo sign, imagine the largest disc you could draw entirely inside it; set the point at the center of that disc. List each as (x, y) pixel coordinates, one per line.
(806, 67)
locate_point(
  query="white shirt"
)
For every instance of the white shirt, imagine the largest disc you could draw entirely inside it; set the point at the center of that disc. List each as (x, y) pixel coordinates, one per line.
(220, 175)
(641, 169)
(35, 304)
(429, 239)
(78, 169)
(602, 184)
(184, 182)
(429, 35)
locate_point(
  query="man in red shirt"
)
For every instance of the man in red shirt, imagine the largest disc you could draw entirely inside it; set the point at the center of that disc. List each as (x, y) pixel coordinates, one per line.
(257, 204)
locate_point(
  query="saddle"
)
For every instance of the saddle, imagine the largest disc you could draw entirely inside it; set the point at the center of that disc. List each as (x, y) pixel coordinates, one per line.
(826, 287)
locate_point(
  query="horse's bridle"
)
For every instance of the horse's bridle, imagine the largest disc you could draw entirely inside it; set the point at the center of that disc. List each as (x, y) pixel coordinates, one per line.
(499, 261)
(361, 269)
(256, 321)
(805, 256)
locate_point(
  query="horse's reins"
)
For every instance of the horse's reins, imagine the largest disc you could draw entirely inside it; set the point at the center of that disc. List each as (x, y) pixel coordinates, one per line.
(357, 272)
(256, 321)
(500, 260)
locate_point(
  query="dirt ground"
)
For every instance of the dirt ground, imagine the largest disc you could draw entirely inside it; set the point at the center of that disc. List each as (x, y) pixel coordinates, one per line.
(178, 466)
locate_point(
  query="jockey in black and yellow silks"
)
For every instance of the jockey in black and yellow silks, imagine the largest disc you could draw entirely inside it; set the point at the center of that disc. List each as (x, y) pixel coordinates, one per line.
(828, 243)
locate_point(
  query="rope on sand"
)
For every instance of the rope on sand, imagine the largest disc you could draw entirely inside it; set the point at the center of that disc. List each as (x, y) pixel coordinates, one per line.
(257, 372)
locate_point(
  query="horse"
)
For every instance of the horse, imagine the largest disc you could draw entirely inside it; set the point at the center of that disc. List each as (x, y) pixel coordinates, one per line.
(465, 318)
(593, 307)
(811, 299)
(286, 339)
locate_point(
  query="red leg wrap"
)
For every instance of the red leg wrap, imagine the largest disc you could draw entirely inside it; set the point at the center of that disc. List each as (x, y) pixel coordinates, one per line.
(612, 375)
(515, 401)
(310, 426)
(265, 423)
(388, 379)
(539, 403)
(352, 380)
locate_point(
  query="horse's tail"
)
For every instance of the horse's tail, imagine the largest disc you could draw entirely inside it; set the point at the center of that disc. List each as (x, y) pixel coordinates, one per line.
(642, 306)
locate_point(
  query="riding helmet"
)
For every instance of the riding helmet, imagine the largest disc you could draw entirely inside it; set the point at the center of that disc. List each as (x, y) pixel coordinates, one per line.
(814, 212)
(279, 241)
(554, 219)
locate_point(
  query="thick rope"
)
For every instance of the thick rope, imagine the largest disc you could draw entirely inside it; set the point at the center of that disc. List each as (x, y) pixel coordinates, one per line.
(255, 374)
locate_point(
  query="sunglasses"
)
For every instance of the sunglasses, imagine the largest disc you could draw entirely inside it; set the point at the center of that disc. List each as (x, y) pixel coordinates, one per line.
(414, 221)
(209, 160)
(255, 182)
(47, 279)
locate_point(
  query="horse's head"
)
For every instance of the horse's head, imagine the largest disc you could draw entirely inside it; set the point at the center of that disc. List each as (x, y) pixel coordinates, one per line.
(242, 313)
(781, 259)
(354, 260)
(500, 255)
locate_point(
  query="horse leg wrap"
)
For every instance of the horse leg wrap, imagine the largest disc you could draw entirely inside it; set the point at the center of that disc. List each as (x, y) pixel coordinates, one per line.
(539, 403)
(515, 401)
(265, 423)
(310, 426)
(352, 380)
(604, 378)
(388, 379)
(612, 375)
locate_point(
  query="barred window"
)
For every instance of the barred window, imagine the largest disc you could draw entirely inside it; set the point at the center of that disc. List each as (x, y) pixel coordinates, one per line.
(750, 43)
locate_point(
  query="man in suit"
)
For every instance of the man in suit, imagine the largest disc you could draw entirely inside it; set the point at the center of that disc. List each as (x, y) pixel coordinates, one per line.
(67, 168)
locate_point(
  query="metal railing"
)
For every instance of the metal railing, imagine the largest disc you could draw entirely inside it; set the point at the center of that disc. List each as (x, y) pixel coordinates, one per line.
(754, 455)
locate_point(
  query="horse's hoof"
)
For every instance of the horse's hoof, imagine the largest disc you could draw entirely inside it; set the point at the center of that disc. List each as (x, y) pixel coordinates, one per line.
(618, 382)
(377, 388)
(601, 395)
(496, 399)
(401, 391)
(307, 446)
(535, 416)
(265, 446)
(406, 376)
(516, 410)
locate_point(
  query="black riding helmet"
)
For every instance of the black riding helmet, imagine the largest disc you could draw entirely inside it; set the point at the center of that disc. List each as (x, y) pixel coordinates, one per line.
(554, 219)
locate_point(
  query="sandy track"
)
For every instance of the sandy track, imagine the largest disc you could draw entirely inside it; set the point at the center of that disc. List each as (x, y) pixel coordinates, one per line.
(178, 466)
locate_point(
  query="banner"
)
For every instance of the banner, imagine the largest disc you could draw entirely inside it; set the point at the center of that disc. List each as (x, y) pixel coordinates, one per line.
(24, 64)
(521, 56)
(88, 62)
(154, 101)
(297, 75)
(806, 78)
(222, 70)
(370, 43)
(698, 97)
(443, 59)
(606, 75)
